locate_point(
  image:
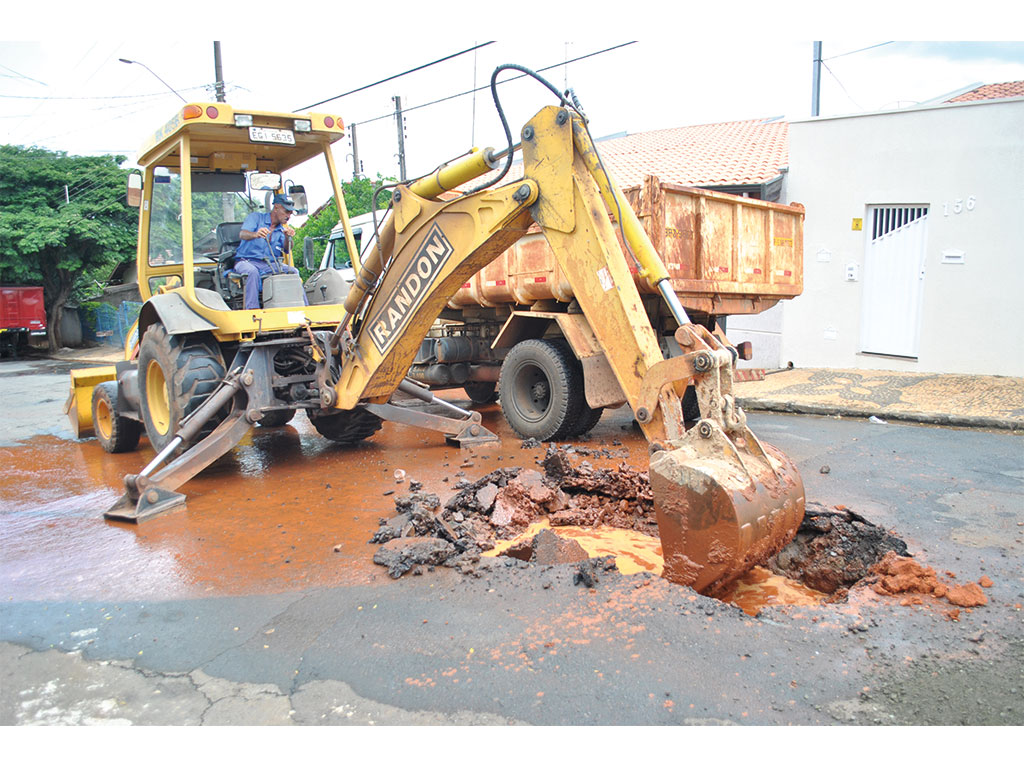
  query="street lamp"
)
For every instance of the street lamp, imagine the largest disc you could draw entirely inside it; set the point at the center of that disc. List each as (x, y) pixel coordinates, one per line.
(154, 74)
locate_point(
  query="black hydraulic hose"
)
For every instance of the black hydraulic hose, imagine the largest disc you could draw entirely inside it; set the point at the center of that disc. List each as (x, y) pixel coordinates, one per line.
(509, 152)
(504, 122)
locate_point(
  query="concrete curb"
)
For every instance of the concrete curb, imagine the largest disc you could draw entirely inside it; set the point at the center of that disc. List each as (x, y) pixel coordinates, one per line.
(920, 417)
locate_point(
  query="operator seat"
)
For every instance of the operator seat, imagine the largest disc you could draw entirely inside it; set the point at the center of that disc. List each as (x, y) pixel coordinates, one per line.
(230, 284)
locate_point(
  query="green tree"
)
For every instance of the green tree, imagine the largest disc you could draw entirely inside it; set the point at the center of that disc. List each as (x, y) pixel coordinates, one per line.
(358, 200)
(63, 219)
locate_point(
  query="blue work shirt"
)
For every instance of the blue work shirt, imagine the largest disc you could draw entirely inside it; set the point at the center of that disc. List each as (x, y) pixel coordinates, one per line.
(256, 249)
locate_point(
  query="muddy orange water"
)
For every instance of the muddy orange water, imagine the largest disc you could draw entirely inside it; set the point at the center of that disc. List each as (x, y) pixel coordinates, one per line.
(267, 517)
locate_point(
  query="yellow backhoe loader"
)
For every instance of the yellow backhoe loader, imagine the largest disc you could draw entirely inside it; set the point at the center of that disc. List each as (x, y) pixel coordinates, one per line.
(207, 370)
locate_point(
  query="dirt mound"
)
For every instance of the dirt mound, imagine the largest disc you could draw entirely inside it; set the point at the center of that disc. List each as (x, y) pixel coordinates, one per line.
(905, 576)
(834, 549)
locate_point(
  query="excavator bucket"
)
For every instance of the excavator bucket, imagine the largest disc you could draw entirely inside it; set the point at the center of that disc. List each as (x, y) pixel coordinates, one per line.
(723, 505)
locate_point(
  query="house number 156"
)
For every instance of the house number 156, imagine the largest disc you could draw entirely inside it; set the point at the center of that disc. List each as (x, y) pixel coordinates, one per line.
(959, 205)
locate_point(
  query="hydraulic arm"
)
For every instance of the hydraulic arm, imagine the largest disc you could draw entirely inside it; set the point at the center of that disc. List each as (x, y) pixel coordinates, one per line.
(724, 500)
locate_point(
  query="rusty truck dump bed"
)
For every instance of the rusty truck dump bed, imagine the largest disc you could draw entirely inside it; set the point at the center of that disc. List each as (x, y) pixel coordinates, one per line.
(726, 255)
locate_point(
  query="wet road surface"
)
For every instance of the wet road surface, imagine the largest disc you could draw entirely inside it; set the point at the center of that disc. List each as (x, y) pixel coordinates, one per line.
(268, 517)
(244, 595)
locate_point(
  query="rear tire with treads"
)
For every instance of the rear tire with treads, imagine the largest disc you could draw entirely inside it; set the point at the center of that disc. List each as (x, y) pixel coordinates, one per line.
(276, 418)
(176, 375)
(586, 421)
(345, 427)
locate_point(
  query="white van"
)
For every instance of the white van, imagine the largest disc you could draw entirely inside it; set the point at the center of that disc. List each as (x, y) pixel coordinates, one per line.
(335, 275)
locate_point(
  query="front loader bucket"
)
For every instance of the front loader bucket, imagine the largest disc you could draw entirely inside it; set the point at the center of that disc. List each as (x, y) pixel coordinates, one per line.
(78, 406)
(723, 506)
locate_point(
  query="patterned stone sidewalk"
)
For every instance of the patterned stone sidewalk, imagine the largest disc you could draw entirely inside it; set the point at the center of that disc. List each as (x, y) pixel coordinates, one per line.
(935, 398)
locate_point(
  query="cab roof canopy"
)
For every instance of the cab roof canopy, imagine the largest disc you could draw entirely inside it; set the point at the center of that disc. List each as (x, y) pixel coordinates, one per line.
(217, 143)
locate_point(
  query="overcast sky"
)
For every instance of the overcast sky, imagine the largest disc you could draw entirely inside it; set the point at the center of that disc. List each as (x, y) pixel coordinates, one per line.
(74, 94)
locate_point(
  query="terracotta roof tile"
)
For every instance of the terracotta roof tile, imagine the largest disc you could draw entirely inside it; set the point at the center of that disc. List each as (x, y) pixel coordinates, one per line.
(717, 154)
(992, 91)
(744, 152)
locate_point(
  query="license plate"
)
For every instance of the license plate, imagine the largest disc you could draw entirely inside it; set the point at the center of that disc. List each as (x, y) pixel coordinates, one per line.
(271, 135)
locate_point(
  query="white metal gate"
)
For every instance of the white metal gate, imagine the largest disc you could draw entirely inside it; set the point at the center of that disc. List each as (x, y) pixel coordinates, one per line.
(894, 280)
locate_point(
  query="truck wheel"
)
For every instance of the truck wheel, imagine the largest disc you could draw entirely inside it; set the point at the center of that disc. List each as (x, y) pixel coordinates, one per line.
(481, 392)
(541, 389)
(277, 418)
(176, 374)
(345, 427)
(116, 433)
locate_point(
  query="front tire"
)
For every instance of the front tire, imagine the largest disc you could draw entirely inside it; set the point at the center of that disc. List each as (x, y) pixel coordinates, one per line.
(540, 389)
(176, 374)
(115, 433)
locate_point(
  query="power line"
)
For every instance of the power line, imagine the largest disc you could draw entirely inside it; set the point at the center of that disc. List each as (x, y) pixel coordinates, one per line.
(859, 50)
(98, 98)
(25, 77)
(500, 82)
(842, 86)
(393, 77)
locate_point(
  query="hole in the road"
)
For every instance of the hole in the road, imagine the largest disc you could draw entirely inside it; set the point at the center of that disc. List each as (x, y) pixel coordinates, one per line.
(572, 513)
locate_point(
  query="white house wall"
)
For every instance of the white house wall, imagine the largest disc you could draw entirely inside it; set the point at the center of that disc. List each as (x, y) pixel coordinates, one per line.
(764, 332)
(972, 314)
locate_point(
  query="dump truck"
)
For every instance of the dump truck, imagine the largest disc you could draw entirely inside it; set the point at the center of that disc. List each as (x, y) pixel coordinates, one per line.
(22, 316)
(725, 255)
(207, 371)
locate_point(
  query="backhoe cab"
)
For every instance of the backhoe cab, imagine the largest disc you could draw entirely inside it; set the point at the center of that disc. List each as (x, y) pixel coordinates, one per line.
(206, 372)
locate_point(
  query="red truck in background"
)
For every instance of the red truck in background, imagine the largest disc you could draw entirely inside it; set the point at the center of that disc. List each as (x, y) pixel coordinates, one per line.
(21, 315)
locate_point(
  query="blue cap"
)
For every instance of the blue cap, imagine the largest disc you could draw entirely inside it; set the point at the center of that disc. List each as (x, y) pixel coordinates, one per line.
(285, 201)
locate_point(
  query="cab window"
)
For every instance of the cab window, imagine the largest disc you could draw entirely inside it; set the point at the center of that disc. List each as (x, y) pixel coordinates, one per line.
(216, 198)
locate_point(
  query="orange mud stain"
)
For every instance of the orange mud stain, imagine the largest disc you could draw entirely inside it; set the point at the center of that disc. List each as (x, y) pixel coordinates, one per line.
(636, 553)
(760, 588)
(285, 510)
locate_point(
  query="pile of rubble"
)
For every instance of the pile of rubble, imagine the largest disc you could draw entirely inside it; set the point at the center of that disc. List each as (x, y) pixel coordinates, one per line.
(503, 504)
(834, 549)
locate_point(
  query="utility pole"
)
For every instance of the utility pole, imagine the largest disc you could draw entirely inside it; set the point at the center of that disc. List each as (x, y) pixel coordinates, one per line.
(816, 81)
(218, 72)
(357, 171)
(227, 199)
(401, 138)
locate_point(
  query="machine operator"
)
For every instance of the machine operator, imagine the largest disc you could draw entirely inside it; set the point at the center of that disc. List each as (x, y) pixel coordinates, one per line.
(261, 250)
